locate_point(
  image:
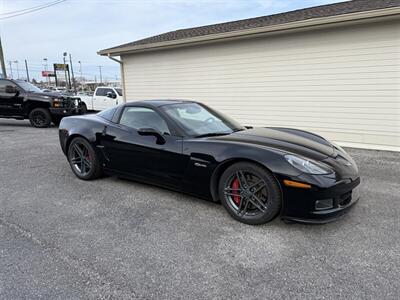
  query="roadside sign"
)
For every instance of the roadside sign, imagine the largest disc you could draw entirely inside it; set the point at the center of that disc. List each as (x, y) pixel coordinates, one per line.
(61, 67)
(48, 74)
(61, 74)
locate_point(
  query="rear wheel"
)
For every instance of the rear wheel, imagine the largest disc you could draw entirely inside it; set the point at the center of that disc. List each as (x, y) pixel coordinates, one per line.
(83, 159)
(40, 117)
(250, 193)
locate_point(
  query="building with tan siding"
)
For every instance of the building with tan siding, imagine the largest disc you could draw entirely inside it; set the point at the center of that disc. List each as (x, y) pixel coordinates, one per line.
(333, 70)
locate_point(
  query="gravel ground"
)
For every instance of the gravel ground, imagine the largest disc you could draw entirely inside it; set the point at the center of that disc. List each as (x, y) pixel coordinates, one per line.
(62, 238)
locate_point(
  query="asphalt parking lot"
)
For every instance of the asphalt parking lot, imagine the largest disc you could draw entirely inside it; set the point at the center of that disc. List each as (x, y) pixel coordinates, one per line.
(62, 238)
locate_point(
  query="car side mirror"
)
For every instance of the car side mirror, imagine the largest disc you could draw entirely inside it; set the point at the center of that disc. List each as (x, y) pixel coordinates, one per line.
(111, 95)
(153, 132)
(11, 89)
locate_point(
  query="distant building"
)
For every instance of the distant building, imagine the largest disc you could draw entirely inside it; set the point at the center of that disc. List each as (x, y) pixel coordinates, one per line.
(332, 69)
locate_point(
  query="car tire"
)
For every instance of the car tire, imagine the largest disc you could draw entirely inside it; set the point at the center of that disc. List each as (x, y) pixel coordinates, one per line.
(40, 118)
(250, 193)
(83, 108)
(83, 159)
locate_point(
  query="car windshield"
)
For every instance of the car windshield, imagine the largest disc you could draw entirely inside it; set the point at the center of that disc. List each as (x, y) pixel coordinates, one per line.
(198, 120)
(26, 86)
(119, 91)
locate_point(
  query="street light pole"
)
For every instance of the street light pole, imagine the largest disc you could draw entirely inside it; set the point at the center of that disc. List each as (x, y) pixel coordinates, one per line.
(101, 78)
(45, 68)
(72, 72)
(80, 68)
(16, 62)
(11, 72)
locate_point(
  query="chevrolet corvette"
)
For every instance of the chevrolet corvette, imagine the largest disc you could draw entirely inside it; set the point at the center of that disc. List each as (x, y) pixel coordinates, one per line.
(256, 173)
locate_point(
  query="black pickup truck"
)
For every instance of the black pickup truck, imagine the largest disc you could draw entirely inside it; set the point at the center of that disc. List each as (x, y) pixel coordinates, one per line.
(22, 100)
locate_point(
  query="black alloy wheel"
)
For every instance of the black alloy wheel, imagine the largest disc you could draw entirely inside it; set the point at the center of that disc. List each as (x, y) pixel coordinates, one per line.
(83, 159)
(83, 108)
(250, 193)
(40, 118)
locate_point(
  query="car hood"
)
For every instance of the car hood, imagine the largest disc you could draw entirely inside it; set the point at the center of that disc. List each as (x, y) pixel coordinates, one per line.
(50, 94)
(284, 139)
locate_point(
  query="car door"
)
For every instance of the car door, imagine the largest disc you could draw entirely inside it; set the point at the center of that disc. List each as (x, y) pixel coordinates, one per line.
(153, 159)
(10, 101)
(99, 99)
(111, 98)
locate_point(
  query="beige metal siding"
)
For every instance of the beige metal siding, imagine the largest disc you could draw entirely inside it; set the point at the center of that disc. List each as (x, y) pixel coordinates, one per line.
(343, 83)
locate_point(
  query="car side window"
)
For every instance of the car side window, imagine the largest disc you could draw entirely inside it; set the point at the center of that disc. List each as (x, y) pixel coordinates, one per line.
(3, 84)
(143, 117)
(101, 92)
(108, 114)
(110, 91)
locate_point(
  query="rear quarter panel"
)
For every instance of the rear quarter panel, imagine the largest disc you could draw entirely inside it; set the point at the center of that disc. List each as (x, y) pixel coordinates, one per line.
(88, 127)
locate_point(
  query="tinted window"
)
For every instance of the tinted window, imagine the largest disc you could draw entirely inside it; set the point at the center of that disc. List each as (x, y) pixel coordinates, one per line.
(104, 91)
(101, 92)
(107, 114)
(142, 117)
(3, 84)
(28, 86)
(119, 91)
(196, 119)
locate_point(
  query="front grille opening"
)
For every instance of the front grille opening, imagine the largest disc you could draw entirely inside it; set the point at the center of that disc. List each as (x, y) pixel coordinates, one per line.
(323, 204)
(345, 199)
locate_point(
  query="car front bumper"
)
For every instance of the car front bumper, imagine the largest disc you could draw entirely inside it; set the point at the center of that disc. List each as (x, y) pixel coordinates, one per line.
(303, 205)
(66, 111)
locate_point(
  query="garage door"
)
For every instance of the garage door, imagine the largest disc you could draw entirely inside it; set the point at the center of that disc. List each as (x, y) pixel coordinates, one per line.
(342, 83)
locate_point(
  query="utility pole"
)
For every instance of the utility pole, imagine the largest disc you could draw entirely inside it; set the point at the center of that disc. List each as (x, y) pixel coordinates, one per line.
(65, 70)
(10, 63)
(16, 62)
(3, 66)
(101, 78)
(27, 72)
(72, 72)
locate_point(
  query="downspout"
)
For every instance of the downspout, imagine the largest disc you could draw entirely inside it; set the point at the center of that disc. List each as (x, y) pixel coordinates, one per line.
(122, 75)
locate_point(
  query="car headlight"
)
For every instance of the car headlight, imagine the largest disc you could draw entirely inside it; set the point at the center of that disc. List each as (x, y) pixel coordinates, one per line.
(338, 147)
(57, 102)
(307, 166)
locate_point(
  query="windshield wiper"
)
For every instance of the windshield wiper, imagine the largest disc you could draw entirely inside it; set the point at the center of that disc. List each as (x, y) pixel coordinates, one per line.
(211, 134)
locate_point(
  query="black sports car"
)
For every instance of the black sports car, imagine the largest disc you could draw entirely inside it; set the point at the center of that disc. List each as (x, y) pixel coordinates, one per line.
(256, 173)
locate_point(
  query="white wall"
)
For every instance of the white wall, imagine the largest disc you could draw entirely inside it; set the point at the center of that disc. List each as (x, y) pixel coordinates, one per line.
(343, 83)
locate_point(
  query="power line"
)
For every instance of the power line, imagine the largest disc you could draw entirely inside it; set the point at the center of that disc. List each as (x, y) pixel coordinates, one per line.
(22, 10)
(30, 10)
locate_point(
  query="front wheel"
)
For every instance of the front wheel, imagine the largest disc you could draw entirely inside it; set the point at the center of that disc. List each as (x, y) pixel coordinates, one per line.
(83, 108)
(40, 117)
(250, 193)
(83, 159)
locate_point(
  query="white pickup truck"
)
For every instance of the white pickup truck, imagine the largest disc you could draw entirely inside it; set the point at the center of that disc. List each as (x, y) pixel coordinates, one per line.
(103, 98)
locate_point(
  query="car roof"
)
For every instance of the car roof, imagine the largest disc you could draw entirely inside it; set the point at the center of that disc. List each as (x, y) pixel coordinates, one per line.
(158, 102)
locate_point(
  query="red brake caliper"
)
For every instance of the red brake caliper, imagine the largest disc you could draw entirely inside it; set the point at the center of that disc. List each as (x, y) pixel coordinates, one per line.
(235, 186)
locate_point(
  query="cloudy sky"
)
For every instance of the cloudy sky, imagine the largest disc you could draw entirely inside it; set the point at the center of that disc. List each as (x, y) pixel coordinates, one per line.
(82, 27)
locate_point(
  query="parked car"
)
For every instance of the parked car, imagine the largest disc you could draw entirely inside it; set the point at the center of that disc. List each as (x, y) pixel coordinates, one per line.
(103, 98)
(257, 173)
(22, 100)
